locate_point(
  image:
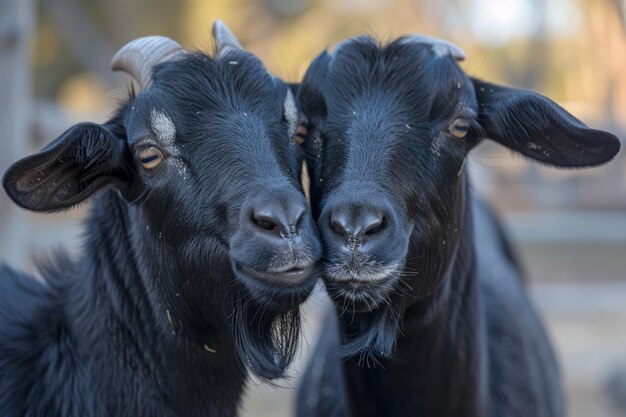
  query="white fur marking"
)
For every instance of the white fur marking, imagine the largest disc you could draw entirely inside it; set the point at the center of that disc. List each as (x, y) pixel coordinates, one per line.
(437, 145)
(163, 127)
(291, 113)
(165, 132)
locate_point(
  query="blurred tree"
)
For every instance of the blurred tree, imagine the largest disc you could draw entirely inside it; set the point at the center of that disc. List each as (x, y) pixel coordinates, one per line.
(90, 49)
(572, 50)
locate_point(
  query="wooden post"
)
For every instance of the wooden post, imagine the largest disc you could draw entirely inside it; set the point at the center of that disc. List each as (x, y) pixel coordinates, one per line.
(16, 27)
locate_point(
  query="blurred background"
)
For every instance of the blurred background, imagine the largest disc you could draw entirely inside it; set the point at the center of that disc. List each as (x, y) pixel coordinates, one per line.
(570, 226)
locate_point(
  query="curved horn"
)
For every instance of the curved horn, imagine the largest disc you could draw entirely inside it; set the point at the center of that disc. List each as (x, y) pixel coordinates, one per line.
(225, 41)
(138, 57)
(439, 46)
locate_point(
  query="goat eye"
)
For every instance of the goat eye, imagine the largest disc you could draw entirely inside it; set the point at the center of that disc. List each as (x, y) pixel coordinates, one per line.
(300, 136)
(459, 128)
(151, 157)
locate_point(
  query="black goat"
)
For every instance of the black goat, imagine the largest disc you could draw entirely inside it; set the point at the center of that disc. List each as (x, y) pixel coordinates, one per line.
(199, 247)
(433, 317)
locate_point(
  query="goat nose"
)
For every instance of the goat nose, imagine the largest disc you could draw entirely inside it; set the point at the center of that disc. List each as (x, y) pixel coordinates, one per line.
(351, 222)
(280, 217)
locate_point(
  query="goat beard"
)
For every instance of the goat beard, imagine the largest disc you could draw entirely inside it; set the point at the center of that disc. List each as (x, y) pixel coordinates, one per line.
(266, 340)
(369, 336)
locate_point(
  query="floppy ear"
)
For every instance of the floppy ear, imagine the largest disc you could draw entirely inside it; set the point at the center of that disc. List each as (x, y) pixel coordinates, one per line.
(538, 128)
(78, 163)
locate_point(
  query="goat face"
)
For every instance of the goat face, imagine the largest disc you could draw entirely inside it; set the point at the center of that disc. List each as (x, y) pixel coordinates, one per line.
(227, 176)
(204, 158)
(390, 129)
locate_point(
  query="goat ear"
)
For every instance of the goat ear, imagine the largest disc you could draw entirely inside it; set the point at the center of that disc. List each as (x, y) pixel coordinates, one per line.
(538, 128)
(84, 159)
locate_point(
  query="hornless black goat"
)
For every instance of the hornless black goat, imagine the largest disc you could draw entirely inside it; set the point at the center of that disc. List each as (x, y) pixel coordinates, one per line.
(199, 247)
(433, 317)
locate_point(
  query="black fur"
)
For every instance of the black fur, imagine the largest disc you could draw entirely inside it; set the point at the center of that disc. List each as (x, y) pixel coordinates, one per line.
(448, 330)
(157, 317)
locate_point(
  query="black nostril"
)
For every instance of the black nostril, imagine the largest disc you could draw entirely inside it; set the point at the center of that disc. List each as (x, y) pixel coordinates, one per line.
(355, 221)
(299, 217)
(339, 227)
(375, 227)
(281, 217)
(264, 221)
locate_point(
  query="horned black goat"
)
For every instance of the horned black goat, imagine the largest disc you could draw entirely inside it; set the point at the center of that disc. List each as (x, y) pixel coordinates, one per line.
(433, 318)
(199, 245)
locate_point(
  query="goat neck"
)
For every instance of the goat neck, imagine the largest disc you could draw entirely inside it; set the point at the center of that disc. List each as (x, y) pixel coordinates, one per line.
(202, 368)
(439, 360)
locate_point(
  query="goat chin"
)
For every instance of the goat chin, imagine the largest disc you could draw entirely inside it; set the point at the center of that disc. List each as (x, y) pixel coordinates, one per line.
(280, 292)
(360, 288)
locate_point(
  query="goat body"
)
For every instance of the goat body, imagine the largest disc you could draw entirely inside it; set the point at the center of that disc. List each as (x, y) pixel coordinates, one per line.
(199, 247)
(474, 348)
(87, 342)
(432, 316)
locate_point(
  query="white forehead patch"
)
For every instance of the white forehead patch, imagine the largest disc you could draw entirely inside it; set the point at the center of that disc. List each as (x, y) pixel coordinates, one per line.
(163, 127)
(291, 114)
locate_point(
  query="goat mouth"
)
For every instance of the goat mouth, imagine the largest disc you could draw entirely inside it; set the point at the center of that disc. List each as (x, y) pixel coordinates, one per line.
(279, 291)
(359, 281)
(291, 277)
(364, 275)
(359, 293)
